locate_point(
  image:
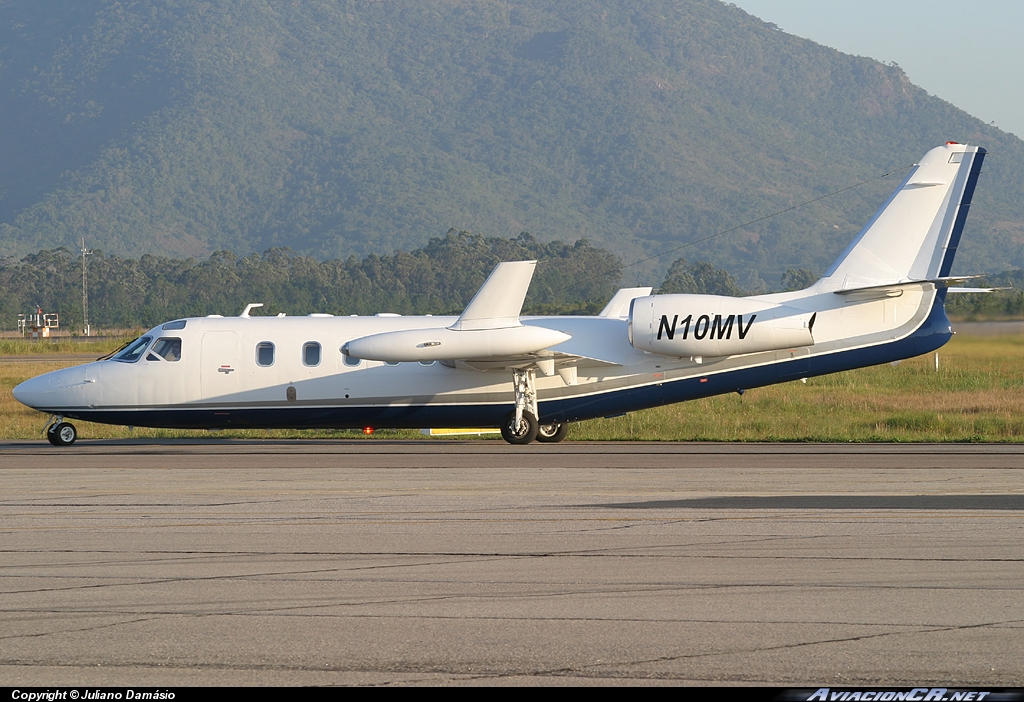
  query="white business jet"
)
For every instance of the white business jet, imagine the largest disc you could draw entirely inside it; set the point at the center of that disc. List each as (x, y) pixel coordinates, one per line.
(881, 301)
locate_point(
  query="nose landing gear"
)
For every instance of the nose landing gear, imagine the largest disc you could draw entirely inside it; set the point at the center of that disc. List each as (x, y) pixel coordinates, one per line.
(61, 433)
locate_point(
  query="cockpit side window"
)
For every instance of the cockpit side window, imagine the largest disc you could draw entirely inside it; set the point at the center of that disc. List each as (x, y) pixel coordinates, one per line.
(167, 348)
(134, 350)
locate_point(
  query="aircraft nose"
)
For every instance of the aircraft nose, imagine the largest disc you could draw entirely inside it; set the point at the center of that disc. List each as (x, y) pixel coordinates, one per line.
(33, 391)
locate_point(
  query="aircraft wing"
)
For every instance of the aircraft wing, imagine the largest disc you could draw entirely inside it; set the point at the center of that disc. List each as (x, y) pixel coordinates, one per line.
(544, 360)
(489, 329)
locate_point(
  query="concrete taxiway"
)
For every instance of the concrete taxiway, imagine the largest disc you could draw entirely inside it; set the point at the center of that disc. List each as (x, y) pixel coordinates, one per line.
(453, 563)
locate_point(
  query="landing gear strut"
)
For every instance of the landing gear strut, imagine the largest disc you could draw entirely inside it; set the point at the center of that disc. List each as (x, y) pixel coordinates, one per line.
(520, 425)
(61, 433)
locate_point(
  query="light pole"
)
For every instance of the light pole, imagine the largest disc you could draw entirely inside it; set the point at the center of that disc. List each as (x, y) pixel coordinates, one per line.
(85, 290)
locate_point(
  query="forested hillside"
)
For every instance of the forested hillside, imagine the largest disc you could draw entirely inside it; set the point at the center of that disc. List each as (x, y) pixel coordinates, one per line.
(178, 128)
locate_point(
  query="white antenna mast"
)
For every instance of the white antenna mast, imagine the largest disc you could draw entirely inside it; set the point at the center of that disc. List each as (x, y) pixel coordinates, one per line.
(85, 290)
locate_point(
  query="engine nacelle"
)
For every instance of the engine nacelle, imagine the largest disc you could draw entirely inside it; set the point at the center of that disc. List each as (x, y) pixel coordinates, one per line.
(712, 325)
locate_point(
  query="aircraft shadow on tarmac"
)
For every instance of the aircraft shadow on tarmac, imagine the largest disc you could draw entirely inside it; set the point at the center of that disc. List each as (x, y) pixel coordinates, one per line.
(851, 502)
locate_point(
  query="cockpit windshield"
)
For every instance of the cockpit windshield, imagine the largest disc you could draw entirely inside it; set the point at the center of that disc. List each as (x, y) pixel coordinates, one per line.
(134, 350)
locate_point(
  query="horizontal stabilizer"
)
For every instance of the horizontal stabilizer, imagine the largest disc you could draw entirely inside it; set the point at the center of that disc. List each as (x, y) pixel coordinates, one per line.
(975, 290)
(944, 282)
(499, 300)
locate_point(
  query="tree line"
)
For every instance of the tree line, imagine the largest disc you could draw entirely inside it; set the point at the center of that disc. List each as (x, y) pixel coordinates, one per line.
(440, 278)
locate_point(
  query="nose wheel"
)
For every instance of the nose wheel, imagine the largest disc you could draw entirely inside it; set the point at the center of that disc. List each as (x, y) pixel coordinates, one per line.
(61, 433)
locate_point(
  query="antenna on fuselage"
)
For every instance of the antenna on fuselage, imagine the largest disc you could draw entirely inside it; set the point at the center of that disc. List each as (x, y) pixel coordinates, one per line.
(250, 306)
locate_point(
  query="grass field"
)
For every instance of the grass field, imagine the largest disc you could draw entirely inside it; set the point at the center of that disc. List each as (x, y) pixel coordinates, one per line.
(59, 345)
(976, 395)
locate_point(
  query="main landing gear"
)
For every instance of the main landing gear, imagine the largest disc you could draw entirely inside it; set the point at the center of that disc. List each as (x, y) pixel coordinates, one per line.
(61, 433)
(520, 425)
(552, 433)
(519, 431)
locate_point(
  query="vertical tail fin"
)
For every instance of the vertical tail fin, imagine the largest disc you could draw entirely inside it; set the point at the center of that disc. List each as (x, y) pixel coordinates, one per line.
(915, 234)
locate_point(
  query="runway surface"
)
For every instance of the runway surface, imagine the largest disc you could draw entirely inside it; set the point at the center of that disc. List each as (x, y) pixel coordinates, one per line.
(452, 563)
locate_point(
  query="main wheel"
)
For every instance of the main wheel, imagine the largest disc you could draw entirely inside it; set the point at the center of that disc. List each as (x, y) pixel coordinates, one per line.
(524, 433)
(62, 434)
(552, 433)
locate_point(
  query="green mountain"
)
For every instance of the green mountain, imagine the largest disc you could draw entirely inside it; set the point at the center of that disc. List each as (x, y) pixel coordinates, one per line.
(182, 127)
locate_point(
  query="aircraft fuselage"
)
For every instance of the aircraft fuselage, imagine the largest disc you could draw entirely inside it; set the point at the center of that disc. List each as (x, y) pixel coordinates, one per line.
(303, 380)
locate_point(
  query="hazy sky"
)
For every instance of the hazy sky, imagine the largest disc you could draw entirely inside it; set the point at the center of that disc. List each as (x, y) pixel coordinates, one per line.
(968, 53)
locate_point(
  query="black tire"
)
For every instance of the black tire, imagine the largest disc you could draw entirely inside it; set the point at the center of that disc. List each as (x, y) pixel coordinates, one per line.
(524, 433)
(62, 434)
(552, 433)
